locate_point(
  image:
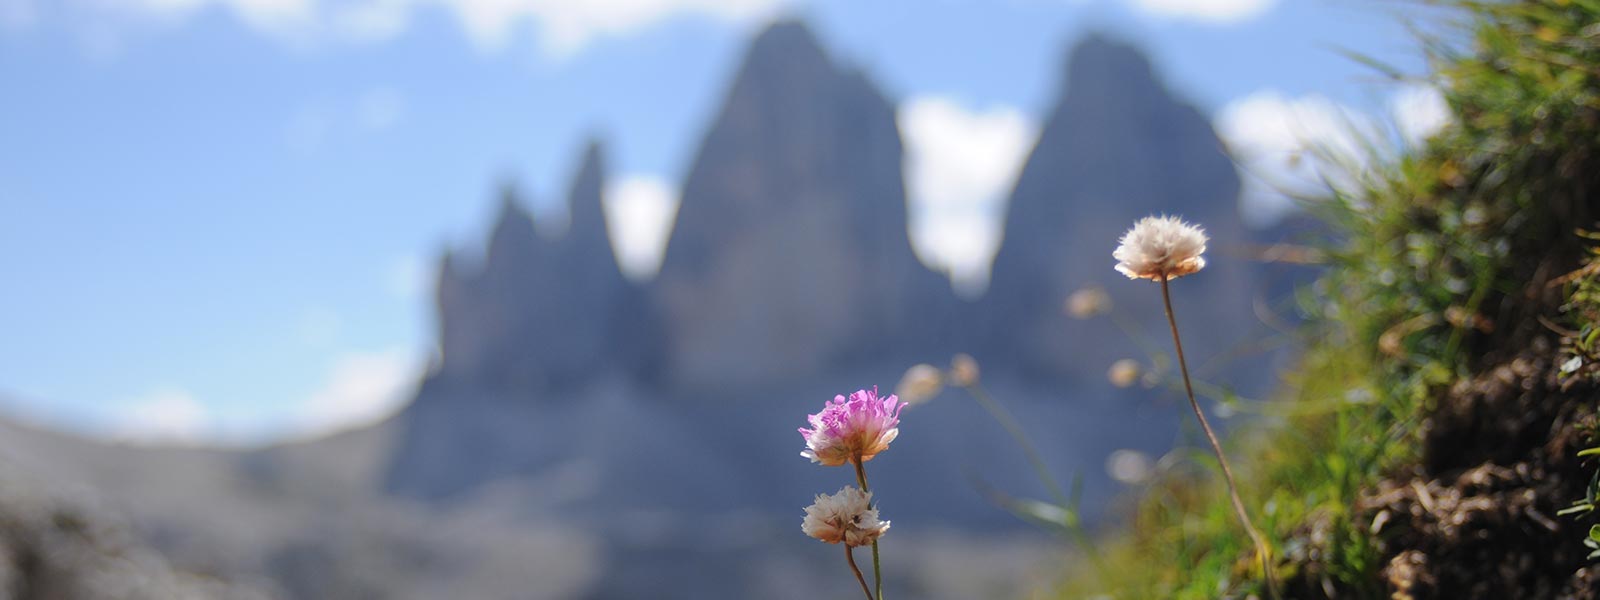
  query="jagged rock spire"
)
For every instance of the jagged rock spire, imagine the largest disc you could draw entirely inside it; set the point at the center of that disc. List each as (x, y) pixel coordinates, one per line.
(1117, 146)
(791, 248)
(587, 223)
(585, 250)
(514, 241)
(539, 313)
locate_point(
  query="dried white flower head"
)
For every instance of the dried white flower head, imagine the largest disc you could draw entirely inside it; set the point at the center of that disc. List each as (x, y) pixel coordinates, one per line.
(1160, 248)
(964, 370)
(1088, 302)
(1124, 373)
(846, 517)
(920, 384)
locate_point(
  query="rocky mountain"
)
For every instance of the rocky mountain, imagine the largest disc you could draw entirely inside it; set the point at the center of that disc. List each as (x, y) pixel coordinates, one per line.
(539, 321)
(541, 314)
(1117, 146)
(789, 277)
(584, 436)
(790, 256)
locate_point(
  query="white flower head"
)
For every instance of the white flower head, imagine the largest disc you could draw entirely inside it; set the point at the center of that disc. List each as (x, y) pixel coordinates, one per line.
(1160, 248)
(847, 516)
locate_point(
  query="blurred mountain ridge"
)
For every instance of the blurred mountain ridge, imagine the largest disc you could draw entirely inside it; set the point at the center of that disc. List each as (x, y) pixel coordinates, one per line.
(790, 262)
(581, 435)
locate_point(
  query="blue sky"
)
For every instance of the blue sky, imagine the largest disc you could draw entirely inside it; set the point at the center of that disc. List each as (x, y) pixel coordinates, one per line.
(219, 218)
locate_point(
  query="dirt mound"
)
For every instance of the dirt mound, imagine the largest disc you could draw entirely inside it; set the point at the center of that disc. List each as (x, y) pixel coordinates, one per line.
(1476, 517)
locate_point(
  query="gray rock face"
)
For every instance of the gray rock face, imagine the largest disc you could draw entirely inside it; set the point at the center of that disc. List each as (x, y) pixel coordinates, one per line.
(539, 321)
(789, 278)
(790, 253)
(541, 314)
(1117, 147)
(789, 269)
(56, 545)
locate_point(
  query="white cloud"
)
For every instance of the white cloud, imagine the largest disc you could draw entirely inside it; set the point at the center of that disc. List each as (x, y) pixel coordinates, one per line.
(563, 27)
(374, 20)
(272, 16)
(166, 415)
(962, 245)
(1300, 147)
(1419, 112)
(357, 389)
(361, 388)
(1293, 147)
(1211, 11)
(960, 164)
(639, 215)
(960, 155)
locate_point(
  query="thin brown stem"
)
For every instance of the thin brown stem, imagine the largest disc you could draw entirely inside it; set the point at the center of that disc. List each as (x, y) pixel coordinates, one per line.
(1262, 550)
(877, 569)
(850, 557)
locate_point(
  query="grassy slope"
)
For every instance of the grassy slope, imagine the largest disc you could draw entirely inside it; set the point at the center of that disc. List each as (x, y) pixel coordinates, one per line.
(1442, 271)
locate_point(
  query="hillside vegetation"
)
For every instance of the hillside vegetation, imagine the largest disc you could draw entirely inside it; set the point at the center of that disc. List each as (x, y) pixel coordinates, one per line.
(1436, 420)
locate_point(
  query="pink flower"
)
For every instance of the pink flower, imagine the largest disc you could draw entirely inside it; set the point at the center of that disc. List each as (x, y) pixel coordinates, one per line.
(857, 428)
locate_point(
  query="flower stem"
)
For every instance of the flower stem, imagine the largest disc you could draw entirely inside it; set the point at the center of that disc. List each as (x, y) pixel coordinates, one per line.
(877, 569)
(1262, 551)
(850, 557)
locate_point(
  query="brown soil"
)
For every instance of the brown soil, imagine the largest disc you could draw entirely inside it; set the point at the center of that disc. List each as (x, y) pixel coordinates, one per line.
(1476, 518)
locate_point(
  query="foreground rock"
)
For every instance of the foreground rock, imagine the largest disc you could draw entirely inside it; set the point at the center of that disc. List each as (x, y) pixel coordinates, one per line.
(59, 545)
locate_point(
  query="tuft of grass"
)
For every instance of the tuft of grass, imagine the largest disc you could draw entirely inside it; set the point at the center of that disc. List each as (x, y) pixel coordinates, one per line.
(1440, 261)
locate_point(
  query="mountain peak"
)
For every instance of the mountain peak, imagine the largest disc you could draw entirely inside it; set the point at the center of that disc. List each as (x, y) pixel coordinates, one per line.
(514, 237)
(786, 44)
(786, 70)
(594, 154)
(510, 200)
(1118, 145)
(794, 205)
(1099, 64)
(584, 195)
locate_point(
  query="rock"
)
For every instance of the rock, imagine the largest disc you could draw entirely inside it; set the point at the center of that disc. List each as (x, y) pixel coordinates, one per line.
(543, 315)
(790, 255)
(540, 320)
(56, 547)
(1117, 146)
